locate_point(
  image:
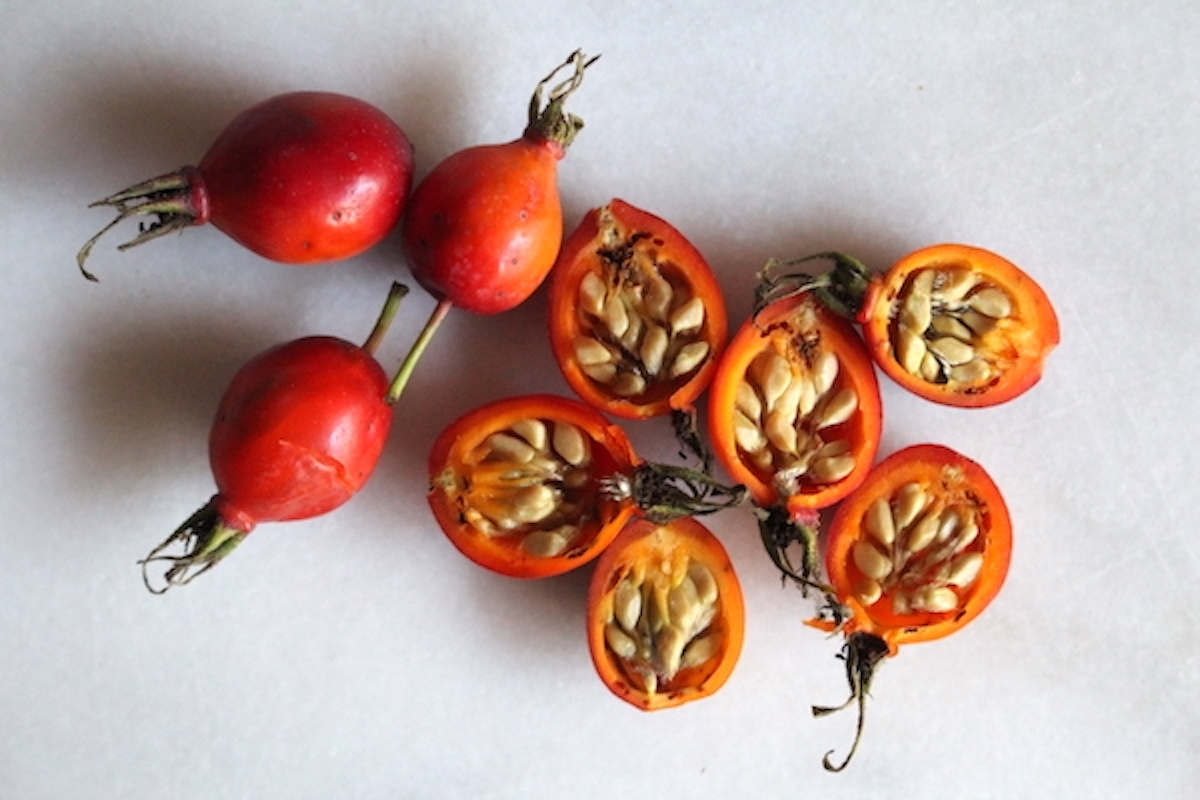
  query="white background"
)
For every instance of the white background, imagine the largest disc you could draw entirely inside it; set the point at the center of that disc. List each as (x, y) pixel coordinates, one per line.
(358, 655)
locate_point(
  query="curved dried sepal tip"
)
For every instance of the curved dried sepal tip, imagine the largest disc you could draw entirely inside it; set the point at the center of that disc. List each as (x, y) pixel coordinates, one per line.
(166, 197)
(863, 652)
(201, 542)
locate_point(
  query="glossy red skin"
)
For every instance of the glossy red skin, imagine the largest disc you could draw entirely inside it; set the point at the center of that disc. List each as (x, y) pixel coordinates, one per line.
(298, 432)
(305, 177)
(483, 229)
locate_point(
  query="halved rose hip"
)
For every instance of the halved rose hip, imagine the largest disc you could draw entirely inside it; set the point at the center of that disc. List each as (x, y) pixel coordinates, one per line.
(915, 553)
(665, 614)
(794, 409)
(637, 318)
(517, 485)
(954, 324)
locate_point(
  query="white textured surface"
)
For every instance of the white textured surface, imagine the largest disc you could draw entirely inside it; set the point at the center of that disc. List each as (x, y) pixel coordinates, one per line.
(359, 655)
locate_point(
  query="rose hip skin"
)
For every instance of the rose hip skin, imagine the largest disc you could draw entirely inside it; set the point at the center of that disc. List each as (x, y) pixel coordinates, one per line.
(496, 248)
(300, 178)
(298, 431)
(484, 227)
(307, 177)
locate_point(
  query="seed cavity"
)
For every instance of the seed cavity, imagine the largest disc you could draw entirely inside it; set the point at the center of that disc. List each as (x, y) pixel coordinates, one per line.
(950, 326)
(640, 322)
(919, 550)
(528, 482)
(787, 411)
(661, 620)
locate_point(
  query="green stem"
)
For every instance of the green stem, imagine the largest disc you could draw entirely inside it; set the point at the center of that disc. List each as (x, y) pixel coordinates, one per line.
(417, 350)
(390, 307)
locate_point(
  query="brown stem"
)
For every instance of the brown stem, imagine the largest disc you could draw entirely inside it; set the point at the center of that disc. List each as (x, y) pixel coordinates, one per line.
(780, 531)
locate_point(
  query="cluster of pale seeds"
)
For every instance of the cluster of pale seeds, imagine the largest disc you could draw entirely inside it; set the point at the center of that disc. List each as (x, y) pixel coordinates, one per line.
(524, 482)
(918, 550)
(783, 412)
(661, 619)
(638, 329)
(944, 314)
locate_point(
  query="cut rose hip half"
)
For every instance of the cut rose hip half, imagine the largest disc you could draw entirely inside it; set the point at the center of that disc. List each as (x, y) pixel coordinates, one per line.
(915, 553)
(637, 319)
(517, 484)
(794, 409)
(959, 325)
(665, 614)
(954, 324)
(921, 547)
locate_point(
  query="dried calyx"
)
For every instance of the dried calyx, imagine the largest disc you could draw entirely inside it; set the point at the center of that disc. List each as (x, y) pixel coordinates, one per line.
(841, 289)
(783, 533)
(664, 492)
(550, 122)
(204, 539)
(175, 200)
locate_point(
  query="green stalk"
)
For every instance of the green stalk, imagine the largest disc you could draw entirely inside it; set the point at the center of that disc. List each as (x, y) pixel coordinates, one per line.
(417, 350)
(390, 307)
